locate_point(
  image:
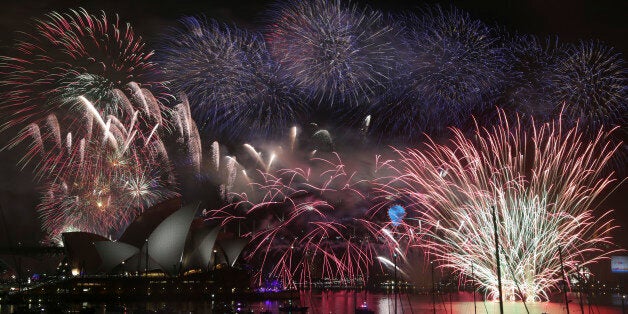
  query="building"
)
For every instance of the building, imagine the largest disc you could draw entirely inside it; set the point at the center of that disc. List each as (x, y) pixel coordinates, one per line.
(163, 239)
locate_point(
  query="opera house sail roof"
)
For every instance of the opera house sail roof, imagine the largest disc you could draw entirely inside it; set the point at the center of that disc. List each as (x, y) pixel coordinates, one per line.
(169, 244)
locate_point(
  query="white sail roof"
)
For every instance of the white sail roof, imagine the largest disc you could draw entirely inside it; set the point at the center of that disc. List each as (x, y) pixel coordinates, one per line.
(167, 241)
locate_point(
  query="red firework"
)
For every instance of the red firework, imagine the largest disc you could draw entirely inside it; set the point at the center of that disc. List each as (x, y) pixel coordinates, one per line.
(305, 224)
(67, 55)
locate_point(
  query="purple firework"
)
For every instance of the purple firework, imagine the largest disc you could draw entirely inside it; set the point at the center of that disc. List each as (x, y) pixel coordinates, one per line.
(591, 83)
(226, 73)
(530, 89)
(335, 53)
(453, 67)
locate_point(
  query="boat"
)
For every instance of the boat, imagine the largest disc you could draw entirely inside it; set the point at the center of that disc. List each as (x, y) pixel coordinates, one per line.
(363, 309)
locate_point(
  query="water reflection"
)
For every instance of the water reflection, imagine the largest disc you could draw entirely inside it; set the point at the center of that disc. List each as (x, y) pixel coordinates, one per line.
(342, 302)
(346, 301)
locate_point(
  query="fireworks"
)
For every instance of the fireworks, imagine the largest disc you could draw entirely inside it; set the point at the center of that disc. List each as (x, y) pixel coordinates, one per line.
(396, 214)
(188, 141)
(68, 55)
(334, 53)
(458, 63)
(544, 186)
(100, 175)
(104, 147)
(305, 223)
(454, 67)
(229, 79)
(100, 203)
(53, 151)
(591, 82)
(387, 123)
(530, 87)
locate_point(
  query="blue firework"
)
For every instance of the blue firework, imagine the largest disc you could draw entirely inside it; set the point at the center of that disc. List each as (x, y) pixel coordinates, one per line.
(591, 83)
(459, 65)
(453, 67)
(233, 87)
(534, 62)
(334, 53)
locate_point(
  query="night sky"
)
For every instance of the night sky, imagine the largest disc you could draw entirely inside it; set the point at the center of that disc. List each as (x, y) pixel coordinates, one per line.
(569, 20)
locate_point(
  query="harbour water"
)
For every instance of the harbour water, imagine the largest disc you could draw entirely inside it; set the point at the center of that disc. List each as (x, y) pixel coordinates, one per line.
(345, 302)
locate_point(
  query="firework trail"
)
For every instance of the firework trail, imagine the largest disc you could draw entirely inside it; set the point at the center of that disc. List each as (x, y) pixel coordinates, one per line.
(336, 54)
(409, 267)
(226, 73)
(99, 176)
(187, 138)
(136, 133)
(305, 223)
(544, 185)
(591, 82)
(453, 67)
(100, 203)
(224, 167)
(67, 55)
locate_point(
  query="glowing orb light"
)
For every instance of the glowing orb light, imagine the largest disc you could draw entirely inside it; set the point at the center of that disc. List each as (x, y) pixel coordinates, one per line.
(396, 214)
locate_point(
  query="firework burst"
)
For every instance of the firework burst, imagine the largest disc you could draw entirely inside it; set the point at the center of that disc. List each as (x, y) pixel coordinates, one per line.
(306, 223)
(591, 82)
(227, 75)
(530, 86)
(68, 55)
(334, 53)
(454, 67)
(100, 175)
(543, 185)
(100, 203)
(459, 63)
(53, 147)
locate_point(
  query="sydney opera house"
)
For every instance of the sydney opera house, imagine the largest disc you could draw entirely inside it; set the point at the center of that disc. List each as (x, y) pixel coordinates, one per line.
(163, 252)
(161, 240)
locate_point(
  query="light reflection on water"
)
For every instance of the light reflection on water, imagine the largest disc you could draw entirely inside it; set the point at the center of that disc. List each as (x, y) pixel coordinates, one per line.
(344, 302)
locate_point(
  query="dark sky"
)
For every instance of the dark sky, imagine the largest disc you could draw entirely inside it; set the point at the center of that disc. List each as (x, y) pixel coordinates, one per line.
(569, 19)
